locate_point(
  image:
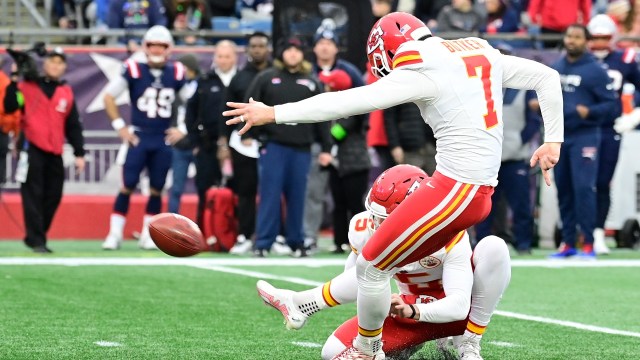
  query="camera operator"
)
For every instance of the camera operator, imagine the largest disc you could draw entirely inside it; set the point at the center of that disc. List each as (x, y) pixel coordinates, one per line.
(50, 115)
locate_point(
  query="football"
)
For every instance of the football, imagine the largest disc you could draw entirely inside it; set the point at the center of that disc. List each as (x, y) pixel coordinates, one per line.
(176, 235)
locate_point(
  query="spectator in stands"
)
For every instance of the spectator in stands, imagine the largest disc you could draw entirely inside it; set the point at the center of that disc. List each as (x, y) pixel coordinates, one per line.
(222, 7)
(256, 9)
(188, 15)
(460, 16)
(501, 17)
(134, 15)
(410, 139)
(326, 50)
(521, 125)
(428, 10)
(285, 153)
(588, 98)
(554, 17)
(176, 134)
(244, 152)
(349, 172)
(50, 116)
(64, 12)
(627, 19)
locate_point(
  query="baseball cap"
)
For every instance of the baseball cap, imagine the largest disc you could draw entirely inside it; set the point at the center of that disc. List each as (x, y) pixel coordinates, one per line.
(337, 79)
(57, 51)
(288, 43)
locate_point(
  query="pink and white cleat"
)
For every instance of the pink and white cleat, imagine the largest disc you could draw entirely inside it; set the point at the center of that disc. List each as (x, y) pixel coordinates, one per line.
(352, 353)
(282, 301)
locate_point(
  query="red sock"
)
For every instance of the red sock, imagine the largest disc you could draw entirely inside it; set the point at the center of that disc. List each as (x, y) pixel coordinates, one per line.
(587, 248)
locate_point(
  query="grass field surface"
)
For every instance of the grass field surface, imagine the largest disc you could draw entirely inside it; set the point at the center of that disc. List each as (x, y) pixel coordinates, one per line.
(84, 303)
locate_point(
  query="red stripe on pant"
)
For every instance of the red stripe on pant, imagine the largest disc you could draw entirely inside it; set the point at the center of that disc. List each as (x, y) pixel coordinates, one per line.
(420, 203)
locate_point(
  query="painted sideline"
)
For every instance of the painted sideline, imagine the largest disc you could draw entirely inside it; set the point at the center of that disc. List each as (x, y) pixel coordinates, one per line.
(278, 261)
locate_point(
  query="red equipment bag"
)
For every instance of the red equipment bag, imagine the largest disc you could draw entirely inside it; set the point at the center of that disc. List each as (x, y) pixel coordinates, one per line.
(220, 226)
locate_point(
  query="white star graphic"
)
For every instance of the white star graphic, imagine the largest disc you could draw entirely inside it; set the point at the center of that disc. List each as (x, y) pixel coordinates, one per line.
(111, 68)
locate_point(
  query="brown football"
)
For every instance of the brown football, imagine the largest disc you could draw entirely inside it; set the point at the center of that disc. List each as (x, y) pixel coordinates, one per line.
(176, 235)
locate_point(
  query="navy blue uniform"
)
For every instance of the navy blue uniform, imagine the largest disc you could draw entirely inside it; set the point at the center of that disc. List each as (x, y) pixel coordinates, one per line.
(621, 66)
(584, 82)
(152, 93)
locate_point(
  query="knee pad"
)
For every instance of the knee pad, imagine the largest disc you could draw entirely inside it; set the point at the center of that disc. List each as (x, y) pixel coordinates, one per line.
(492, 250)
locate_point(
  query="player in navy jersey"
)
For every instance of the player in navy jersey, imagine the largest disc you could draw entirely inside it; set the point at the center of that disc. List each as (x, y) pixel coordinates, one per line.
(152, 85)
(622, 68)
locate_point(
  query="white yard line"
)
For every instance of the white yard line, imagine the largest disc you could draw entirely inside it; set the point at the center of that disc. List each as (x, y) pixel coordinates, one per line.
(220, 265)
(278, 261)
(570, 324)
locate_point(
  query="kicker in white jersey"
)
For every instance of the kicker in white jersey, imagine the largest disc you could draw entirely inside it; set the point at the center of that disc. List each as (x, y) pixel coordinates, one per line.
(457, 84)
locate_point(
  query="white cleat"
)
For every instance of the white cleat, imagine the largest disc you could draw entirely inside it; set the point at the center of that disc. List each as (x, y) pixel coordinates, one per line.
(112, 242)
(241, 248)
(599, 244)
(352, 353)
(469, 348)
(145, 242)
(282, 301)
(279, 248)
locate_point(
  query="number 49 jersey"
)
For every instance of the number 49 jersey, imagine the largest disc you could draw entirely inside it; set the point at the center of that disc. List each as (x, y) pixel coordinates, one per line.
(152, 93)
(422, 278)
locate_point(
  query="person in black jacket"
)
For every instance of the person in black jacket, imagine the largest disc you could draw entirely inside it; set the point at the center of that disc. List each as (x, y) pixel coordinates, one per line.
(244, 154)
(285, 154)
(205, 128)
(411, 140)
(349, 173)
(50, 116)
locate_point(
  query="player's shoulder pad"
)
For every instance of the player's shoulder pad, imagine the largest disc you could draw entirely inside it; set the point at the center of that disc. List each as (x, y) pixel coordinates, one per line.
(132, 68)
(408, 56)
(359, 231)
(629, 56)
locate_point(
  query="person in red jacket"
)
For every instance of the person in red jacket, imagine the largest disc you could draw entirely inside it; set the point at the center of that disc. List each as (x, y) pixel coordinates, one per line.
(50, 116)
(554, 17)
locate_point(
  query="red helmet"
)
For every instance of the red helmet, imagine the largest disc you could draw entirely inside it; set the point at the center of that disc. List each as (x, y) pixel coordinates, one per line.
(391, 187)
(386, 36)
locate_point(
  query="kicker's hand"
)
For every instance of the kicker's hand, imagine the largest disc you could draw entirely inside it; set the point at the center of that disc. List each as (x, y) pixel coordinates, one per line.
(548, 155)
(253, 113)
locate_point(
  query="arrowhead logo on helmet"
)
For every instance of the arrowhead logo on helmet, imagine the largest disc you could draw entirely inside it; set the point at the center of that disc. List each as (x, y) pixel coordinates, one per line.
(386, 36)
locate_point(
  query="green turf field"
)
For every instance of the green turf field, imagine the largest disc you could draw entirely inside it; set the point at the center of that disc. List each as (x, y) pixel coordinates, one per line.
(144, 305)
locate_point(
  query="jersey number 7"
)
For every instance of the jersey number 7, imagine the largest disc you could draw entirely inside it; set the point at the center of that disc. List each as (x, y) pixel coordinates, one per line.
(473, 63)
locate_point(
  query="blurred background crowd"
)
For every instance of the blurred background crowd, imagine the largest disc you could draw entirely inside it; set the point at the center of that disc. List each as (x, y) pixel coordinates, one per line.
(249, 44)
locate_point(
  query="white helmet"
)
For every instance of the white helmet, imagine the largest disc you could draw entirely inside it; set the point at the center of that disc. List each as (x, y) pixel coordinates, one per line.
(602, 25)
(157, 34)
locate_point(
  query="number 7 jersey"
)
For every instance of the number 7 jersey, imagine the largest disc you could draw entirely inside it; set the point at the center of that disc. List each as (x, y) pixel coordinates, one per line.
(152, 93)
(457, 85)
